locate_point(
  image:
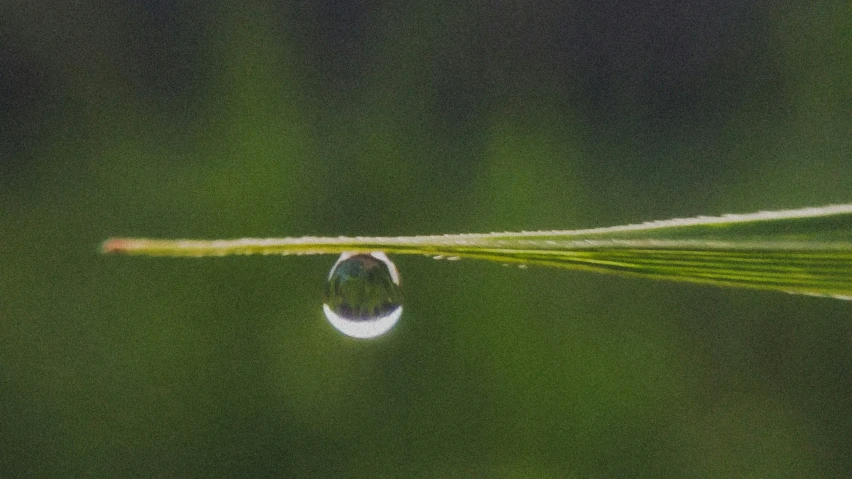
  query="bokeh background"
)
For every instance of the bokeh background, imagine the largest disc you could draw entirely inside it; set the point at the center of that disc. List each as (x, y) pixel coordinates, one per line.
(258, 118)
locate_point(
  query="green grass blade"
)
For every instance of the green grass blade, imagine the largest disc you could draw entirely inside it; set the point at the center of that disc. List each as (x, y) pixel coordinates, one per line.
(806, 251)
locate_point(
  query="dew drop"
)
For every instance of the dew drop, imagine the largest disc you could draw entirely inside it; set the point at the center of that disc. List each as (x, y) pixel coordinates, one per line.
(362, 297)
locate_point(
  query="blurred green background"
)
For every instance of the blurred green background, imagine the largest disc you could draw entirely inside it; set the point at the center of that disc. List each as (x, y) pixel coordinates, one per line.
(259, 118)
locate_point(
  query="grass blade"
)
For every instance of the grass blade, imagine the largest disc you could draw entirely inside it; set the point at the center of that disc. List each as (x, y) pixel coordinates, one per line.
(805, 251)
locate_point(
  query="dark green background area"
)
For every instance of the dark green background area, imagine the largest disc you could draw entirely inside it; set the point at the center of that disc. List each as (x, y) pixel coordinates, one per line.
(231, 119)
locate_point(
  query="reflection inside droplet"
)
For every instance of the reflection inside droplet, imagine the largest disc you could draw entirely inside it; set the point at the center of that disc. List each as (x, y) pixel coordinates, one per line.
(362, 297)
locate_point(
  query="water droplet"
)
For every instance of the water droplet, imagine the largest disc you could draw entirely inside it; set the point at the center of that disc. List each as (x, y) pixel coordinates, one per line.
(362, 297)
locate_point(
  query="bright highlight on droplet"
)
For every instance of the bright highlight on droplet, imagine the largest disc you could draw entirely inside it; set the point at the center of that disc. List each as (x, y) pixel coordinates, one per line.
(362, 297)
